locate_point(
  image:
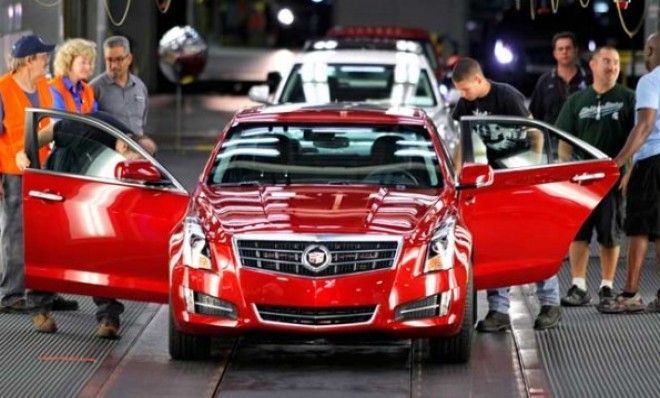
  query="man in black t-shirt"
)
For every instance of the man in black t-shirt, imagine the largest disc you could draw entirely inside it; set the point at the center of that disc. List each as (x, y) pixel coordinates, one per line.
(480, 96)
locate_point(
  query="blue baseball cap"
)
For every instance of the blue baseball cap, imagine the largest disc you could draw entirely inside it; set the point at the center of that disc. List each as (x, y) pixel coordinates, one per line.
(30, 45)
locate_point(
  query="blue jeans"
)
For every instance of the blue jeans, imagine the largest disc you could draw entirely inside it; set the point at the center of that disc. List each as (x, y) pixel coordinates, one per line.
(108, 308)
(547, 292)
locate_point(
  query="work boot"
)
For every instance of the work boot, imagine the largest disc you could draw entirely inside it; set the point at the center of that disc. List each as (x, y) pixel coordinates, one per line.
(62, 304)
(43, 322)
(548, 317)
(494, 322)
(576, 297)
(107, 329)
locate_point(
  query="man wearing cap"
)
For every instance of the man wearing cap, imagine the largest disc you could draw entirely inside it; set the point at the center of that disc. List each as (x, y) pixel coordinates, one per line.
(22, 87)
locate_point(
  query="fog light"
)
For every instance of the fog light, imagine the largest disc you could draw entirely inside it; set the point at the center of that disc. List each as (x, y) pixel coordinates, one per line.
(429, 307)
(189, 296)
(199, 303)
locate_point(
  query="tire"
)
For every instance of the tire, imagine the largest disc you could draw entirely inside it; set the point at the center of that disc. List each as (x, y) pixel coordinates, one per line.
(185, 347)
(457, 348)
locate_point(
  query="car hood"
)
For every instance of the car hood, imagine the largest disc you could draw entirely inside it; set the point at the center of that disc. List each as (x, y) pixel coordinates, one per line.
(320, 209)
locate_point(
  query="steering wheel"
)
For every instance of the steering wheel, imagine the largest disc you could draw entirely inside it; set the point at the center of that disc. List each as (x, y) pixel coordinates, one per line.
(392, 177)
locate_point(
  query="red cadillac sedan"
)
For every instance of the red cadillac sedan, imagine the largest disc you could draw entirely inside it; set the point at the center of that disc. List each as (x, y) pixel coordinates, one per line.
(318, 220)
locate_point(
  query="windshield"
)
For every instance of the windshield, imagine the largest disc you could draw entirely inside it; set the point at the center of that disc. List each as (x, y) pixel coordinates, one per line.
(400, 156)
(401, 84)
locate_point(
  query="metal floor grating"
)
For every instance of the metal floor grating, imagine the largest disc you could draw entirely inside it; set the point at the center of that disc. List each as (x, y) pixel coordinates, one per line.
(58, 365)
(598, 355)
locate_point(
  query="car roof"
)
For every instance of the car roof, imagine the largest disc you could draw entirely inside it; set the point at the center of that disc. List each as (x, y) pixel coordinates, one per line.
(362, 57)
(393, 32)
(336, 112)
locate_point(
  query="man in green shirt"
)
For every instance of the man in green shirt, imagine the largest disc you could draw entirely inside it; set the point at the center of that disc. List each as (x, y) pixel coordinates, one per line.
(602, 115)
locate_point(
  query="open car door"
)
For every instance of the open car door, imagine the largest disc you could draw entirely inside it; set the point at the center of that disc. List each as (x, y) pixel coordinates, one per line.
(96, 223)
(545, 185)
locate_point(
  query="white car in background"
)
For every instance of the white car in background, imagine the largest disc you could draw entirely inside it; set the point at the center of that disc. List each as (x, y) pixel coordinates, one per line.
(400, 76)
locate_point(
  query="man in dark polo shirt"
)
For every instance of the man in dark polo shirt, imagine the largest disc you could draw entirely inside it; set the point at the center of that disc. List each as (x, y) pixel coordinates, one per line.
(118, 91)
(553, 87)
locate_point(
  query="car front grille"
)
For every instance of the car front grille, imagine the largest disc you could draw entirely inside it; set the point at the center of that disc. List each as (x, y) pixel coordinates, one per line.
(316, 316)
(343, 257)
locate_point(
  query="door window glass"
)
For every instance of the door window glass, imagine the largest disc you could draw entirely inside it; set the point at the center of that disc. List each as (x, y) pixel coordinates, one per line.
(509, 145)
(85, 150)
(516, 144)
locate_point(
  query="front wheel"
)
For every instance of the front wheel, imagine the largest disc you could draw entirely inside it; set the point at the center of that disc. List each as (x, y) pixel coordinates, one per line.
(457, 348)
(184, 346)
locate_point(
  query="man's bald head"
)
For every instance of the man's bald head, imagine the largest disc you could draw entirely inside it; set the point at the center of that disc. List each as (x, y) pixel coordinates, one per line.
(652, 51)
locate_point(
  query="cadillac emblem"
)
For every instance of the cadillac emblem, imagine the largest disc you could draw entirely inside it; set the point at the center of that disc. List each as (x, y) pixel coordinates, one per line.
(316, 258)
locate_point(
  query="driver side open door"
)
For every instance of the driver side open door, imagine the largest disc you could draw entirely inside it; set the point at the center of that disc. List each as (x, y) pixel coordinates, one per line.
(87, 230)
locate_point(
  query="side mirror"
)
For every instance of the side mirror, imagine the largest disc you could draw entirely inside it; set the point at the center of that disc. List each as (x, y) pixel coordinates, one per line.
(273, 80)
(475, 175)
(259, 94)
(137, 170)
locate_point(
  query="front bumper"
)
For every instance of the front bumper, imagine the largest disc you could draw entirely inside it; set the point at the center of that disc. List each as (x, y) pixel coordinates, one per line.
(396, 302)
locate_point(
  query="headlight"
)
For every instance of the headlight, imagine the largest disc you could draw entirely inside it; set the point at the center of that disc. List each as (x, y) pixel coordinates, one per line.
(196, 251)
(440, 256)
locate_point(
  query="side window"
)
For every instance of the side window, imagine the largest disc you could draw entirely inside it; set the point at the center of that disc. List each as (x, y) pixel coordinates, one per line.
(509, 145)
(564, 151)
(85, 150)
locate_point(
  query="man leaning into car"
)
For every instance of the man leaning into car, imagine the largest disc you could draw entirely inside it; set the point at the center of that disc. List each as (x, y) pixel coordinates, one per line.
(480, 96)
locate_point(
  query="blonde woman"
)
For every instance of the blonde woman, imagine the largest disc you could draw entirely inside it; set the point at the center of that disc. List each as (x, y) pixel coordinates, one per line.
(73, 65)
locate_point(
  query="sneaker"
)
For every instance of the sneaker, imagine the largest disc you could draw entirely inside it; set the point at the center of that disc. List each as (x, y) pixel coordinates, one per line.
(107, 329)
(576, 297)
(607, 303)
(494, 322)
(19, 306)
(630, 304)
(43, 322)
(654, 306)
(548, 317)
(62, 304)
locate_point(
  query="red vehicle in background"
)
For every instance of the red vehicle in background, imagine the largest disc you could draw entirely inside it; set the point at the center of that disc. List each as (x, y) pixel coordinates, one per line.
(420, 36)
(320, 220)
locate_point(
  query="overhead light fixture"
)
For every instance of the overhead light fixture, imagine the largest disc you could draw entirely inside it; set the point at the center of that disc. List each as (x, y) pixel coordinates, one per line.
(601, 7)
(503, 53)
(285, 16)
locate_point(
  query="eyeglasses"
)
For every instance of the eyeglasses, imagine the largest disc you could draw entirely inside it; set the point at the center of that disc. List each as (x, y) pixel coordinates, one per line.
(116, 59)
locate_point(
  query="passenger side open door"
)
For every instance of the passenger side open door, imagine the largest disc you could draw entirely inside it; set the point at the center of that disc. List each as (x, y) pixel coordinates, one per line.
(540, 195)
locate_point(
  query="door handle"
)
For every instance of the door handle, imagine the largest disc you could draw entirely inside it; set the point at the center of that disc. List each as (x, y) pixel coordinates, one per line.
(51, 197)
(579, 178)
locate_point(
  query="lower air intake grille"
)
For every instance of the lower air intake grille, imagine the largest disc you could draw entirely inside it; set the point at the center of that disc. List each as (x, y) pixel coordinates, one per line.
(316, 316)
